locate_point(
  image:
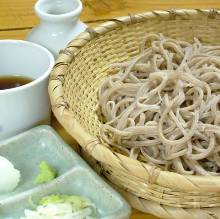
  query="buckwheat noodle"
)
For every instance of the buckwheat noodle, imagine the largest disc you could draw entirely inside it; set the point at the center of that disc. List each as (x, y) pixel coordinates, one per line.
(162, 107)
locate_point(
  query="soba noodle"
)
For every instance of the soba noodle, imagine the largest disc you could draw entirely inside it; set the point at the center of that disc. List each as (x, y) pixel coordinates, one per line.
(163, 106)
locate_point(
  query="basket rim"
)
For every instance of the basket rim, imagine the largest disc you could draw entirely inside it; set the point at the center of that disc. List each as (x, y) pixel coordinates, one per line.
(89, 143)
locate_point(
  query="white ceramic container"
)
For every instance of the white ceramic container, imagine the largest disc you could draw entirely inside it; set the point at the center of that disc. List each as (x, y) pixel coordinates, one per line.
(59, 23)
(26, 106)
(75, 176)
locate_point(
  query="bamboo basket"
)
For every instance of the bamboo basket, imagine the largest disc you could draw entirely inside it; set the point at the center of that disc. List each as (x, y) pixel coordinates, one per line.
(73, 89)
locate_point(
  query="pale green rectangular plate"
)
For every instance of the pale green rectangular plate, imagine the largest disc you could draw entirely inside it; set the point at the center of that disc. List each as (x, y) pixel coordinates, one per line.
(28, 149)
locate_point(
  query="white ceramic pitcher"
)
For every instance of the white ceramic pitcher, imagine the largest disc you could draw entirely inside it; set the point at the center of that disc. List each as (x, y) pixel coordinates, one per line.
(59, 23)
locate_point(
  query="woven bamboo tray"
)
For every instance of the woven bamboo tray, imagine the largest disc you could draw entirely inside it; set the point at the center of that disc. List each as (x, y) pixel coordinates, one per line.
(73, 89)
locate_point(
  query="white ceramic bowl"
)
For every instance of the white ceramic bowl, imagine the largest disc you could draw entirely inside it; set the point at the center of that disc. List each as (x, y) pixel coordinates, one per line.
(26, 106)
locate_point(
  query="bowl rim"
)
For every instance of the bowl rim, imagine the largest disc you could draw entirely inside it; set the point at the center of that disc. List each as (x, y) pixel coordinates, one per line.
(38, 80)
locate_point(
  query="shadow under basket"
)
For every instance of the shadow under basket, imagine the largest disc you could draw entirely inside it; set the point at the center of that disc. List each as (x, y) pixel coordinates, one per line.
(73, 88)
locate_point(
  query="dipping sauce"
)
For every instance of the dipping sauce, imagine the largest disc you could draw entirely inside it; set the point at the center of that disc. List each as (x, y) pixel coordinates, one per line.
(11, 81)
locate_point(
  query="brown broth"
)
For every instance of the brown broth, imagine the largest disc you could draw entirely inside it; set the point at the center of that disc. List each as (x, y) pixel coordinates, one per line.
(8, 82)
